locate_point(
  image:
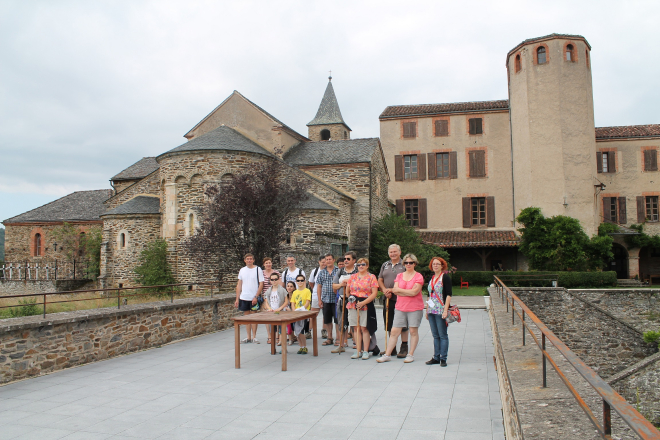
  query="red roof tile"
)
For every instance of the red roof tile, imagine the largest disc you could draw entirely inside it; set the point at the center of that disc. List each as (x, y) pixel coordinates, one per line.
(469, 239)
(394, 111)
(628, 131)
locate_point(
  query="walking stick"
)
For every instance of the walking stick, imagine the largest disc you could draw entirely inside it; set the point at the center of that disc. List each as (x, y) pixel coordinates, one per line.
(387, 320)
(343, 329)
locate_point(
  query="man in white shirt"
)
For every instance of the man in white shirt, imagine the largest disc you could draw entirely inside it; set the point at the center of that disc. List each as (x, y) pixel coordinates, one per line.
(315, 297)
(249, 287)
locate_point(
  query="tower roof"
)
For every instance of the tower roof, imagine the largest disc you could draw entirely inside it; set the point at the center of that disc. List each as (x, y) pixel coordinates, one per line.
(328, 112)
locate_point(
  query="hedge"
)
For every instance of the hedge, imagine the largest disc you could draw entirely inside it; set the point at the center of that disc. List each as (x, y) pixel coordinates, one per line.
(515, 279)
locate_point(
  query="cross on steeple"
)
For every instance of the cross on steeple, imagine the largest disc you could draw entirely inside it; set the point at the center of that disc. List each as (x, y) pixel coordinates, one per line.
(330, 77)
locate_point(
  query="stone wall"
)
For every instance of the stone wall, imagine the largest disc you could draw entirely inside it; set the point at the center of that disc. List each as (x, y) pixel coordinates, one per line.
(338, 132)
(148, 185)
(640, 386)
(32, 346)
(27, 287)
(602, 341)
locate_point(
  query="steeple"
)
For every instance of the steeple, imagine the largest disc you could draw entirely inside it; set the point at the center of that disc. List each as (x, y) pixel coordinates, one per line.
(328, 124)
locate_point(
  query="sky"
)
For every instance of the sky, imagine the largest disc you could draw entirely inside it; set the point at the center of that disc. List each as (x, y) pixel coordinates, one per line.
(89, 88)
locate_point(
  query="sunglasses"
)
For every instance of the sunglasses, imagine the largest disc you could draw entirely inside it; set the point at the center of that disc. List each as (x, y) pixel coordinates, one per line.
(274, 279)
(407, 263)
(361, 264)
(347, 259)
(300, 281)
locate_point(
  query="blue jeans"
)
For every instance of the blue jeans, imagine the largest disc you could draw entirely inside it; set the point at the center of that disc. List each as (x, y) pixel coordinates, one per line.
(440, 338)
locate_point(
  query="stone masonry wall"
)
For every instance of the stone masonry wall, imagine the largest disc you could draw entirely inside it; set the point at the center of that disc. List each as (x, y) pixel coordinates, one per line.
(603, 342)
(640, 308)
(336, 132)
(148, 185)
(379, 184)
(640, 386)
(32, 346)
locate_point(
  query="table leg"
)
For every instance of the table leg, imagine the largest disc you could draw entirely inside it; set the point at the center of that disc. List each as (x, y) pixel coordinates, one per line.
(273, 334)
(284, 345)
(314, 337)
(237, 345)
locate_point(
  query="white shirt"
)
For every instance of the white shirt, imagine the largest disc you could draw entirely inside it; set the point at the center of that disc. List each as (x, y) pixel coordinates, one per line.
(313, 275)
(274, 299)
(292, 274)
(251, 279)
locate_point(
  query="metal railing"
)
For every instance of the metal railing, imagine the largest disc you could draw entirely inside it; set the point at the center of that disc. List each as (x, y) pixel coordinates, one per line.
(116, 293)
(611, 399)
(44, 270)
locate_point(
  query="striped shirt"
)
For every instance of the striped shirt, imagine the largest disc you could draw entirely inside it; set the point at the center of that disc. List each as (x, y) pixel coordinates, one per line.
(324, 279)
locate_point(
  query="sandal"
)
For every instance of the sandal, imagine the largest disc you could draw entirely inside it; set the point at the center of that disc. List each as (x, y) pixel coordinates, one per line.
(328, 342)
(279, 344)
(268, 342)
(336, 343)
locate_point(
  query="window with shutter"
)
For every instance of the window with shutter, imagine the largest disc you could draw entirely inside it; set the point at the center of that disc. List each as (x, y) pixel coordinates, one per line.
(398, 168)
(432, 166)
(611, 162)
(409, 129)
(650, 160)
(651, 208)
(599, 162)
(442, 165)
(475, 125)
(641, 209)
(478, 211)
(623, 215)
(421, 166)
(399, 206)
(410, 169)
(422, 214)
(442, 127)
(467, 213)
(541, 57)
(477, 163)
(490, 212)
(607, 214)
(453, 167)
(412, 212)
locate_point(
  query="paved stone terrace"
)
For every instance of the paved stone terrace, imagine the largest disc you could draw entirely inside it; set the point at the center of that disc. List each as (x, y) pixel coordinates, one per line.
(190, 390)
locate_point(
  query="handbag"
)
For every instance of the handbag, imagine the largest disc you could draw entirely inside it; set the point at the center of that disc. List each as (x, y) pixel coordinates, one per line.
(453, 315)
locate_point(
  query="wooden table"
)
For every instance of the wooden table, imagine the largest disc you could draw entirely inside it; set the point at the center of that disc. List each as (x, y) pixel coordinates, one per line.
(274, 319)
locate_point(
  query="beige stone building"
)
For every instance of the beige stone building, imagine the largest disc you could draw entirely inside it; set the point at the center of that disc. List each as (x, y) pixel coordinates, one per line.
(161, 196)
(464, 171)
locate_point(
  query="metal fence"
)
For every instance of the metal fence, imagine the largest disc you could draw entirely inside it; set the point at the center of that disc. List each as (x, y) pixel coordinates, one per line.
(45, 270)
(611, 399)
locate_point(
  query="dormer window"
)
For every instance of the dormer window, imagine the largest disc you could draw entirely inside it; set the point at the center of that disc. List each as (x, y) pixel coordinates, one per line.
(541, 55)
(325, 134)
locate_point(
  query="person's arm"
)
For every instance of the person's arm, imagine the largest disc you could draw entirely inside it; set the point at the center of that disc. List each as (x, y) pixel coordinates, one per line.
(407, 292)
(286, 302)
(266, 304)
(446, 287)
(387, 292)
(370, 298)
(239, 286)
(335, 282)
(319, 288)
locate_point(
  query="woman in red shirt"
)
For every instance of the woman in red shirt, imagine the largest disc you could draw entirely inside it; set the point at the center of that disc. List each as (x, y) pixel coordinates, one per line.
(409, 308)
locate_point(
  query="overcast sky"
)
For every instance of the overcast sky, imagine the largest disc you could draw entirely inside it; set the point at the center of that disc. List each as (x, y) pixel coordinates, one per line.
(88, 88)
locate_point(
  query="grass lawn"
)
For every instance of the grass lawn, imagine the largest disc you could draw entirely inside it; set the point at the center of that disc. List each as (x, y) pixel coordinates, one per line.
(471, 291)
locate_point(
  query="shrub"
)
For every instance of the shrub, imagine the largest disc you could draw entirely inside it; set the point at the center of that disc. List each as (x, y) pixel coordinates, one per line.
(154, 270)
(516, 279)
(652, 337)
(28, 307)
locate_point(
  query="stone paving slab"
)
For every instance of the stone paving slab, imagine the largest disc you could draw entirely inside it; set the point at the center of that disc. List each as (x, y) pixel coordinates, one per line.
(190, 389)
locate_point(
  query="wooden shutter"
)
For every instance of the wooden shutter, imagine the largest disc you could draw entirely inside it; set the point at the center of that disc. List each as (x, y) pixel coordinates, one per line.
(607, 203)
(453, 168)
(441, 127)
(471, 165)
(481, 163)
(650, 160)
(472, 124)
(409, 129)
(422, 214)
(490, 212)
(467, 215)
(421, 167)
(479, 125)
(432, 165)
(599, 162)
(623, 215)
(611, 162)
(398, 168)
(641, 209)
(399, 207)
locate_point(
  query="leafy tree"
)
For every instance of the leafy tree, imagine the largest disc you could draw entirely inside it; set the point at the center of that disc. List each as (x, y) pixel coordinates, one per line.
(560, 243)
(83, 247)
(393, 228)
(251, 213)
(642, 239)
(154, 269)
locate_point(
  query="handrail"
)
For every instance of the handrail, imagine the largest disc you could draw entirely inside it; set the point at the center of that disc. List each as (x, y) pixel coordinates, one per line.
(118, 295)
(611, 399)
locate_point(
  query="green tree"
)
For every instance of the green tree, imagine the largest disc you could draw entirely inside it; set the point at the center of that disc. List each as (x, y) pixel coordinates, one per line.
(560, 243)
(82, 246)
(154, 269)
(393, 228)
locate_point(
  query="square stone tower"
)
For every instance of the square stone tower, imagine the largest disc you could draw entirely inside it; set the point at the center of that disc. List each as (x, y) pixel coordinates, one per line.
(328, 124)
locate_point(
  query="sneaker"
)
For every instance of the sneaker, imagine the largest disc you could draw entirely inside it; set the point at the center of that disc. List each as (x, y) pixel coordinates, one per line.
(375, 351)
(357, 355)
(443, 363)
(365, 355)
(304, 350)
(256, 341)
(403, 351)
(338, 350)
(300, 351)
(433, 361)
(324, 334)
(384, 358)
(409, 358)
(246, 341)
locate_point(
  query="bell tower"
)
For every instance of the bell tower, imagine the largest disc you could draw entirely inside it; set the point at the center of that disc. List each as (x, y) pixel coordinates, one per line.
(328, 124)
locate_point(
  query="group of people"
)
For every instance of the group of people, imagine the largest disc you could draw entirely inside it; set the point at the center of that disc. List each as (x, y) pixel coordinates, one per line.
(345, 294)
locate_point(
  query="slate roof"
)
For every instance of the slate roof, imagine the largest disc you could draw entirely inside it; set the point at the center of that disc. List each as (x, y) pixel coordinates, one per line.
(332, 152)
(141, 168)
(328, 112)
(394, 111)
(137, 205)
(222, 138)
(628, 131)
(314, 202)
(77, 206)
(470, 239)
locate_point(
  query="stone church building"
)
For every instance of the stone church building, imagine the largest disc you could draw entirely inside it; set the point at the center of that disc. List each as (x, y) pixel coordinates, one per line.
(161, 196)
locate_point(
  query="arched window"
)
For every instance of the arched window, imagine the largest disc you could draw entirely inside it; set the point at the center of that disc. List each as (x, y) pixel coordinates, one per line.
(226, 179)
(122, 240)
(191, 224)
(518, 64)
(325, 135)
(345, 134)
(81, 244)
(541, 55)
(570, 53)
(37, 245)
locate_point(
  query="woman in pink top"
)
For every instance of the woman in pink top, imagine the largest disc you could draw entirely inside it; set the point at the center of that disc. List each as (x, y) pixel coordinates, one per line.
(409, 307)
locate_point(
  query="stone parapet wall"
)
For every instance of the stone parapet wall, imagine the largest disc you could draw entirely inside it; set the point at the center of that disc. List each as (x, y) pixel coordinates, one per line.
(32, 346)
(605, 343)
